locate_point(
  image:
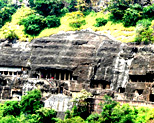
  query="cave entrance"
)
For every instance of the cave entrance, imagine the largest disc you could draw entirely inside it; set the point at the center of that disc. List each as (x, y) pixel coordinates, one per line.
(151, 97)
(141, 78)
(57, 74)
(121, 90)
(61, 90)
(140, 91)
(17, 94)
(99, 84)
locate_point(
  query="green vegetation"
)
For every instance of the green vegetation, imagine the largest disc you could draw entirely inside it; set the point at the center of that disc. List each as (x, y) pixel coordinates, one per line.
(31, 110)
(100, 22)
(31, 102)
(47, 17)
(6, 13)
(144, 33)
(112, 112)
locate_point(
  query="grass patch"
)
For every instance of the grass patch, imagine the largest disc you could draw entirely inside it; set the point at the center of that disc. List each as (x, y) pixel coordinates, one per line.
(14, 24)
(116, 30)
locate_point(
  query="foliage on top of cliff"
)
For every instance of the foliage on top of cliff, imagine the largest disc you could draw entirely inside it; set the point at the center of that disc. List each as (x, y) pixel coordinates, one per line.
(46, 17)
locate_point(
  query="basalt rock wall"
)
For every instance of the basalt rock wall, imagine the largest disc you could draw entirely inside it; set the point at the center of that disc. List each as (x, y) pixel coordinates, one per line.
(89, 56)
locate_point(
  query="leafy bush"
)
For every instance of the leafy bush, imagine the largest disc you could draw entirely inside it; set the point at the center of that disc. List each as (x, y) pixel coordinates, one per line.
(76, 119)
(143, 32)
(11, 108)
(10, 34)
(45, 115)
(8, 119)
(93, 118)
(108, 106)
(148, 11)
(33, 24)
(45, 8)
(117, 9)
(130, 17)
(31, 102)
(136, 7)
(77, 23)
(100, 22)
(144, 22)
(4, 3)
(124, 114)
(6, 14)
(67, 114)
(52, 21)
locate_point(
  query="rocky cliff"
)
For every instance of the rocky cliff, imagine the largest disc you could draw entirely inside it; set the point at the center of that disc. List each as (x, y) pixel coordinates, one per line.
(87, 60)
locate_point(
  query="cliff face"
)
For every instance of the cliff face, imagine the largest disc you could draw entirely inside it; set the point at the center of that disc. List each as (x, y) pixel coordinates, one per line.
(87, 60)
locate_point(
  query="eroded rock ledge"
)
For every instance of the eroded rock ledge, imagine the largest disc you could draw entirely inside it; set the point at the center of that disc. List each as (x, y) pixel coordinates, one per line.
(73, 61)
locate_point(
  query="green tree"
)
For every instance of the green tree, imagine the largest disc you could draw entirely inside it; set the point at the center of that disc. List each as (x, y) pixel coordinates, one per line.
(148, 11)
(33, 24)
(108, 106)
(81, 105)
(11, 108)
(45, 115)
(48, 7)
(52, 21)
(124, 114)
(117, 8)
(132, 15)
(6, 13)
(31, 102)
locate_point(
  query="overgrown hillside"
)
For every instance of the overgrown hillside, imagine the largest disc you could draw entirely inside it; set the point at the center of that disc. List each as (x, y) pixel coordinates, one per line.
(122, 20)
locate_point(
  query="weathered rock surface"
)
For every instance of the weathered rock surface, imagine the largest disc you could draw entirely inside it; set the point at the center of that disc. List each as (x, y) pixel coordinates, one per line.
(95, 61)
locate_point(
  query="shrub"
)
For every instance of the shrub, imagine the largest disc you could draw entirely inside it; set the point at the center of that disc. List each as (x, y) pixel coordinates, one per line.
(124, 114)
(144, 36)
(136, 7)
(33, 24)
(100, 22)
(45, 115)
(31, 102)
(117, 9)
(6, 14)
(11, 108)
(130, 17)
(93, 118)
(144, 32)
(8, 119)
(10, 34)
(144, 22)
(148, 11)
(76, 119)
(67, 114)
(77, 23)
(52, 21)
(45, 7)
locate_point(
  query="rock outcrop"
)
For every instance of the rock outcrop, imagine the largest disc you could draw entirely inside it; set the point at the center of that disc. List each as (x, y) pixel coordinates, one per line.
(84, 60)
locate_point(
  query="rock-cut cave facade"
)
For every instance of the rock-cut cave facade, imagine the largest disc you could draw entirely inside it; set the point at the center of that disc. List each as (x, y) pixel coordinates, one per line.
(69, 62)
